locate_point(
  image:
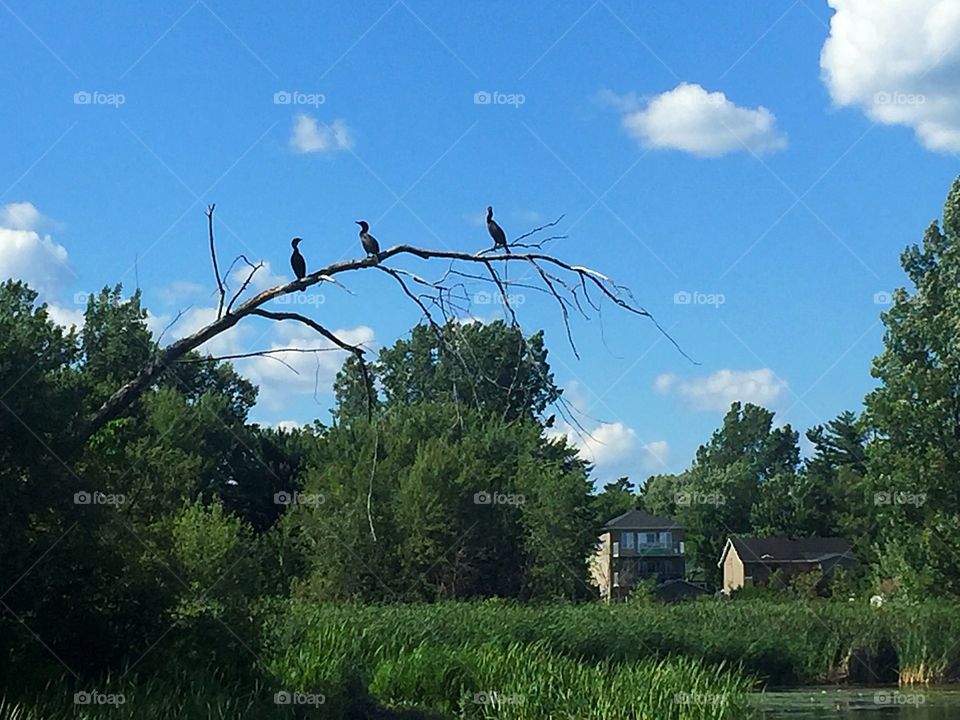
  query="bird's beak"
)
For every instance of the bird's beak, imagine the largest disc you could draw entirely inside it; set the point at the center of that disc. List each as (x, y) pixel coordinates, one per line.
(356, 222)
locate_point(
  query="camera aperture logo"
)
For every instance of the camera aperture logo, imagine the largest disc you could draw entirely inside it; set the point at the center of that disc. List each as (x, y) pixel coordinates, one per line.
(485, 497)
(98, 698)
(488, 298)
(893, 497)
(96, 97)
(685, 297)
(298, 498)
(295, 97)
(301, 298)
(485, 97)
(286, 697)
(98, 498)
(687, 498)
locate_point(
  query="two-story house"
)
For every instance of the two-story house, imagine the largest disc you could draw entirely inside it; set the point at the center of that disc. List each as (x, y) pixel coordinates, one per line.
(751, 561)
(635, 546)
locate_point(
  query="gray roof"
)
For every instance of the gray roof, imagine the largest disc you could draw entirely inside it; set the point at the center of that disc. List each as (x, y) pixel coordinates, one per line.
(788, 549)
(641, 520)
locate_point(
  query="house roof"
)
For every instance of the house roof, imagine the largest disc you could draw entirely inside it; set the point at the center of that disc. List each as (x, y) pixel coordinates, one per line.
(774, 550)
(678, 589)
(640, 520)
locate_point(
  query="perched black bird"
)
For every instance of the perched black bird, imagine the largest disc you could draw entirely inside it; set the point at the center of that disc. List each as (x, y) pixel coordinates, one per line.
(369, 242)
(297, 262)
(496, 232)
(550, 421)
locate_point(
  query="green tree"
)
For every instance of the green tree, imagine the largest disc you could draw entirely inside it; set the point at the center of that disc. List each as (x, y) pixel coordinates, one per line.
(914, 458)
(490, 367)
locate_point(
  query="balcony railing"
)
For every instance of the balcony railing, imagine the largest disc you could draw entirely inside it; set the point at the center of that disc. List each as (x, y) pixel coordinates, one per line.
(641, 550)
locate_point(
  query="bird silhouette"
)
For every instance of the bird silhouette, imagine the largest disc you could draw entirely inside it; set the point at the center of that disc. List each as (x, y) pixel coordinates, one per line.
(297, 262)
(496, 232)
(369, 242)
(550, 421)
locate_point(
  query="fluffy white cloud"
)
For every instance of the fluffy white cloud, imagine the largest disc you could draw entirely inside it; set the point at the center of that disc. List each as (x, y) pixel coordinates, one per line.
(26, 255)
(20, 216)
(717, 391)
(899, 62)
(282, 377)
(262, 279)
(690, 119)
(315, 372)
(615, 450)
(311, 136)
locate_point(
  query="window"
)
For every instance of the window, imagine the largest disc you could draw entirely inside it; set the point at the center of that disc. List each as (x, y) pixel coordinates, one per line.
(627, 539)
(652, 538)
(616, 579)
(616, 549)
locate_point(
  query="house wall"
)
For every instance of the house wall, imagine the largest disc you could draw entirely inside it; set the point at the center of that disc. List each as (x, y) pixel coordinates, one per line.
(733, 572)
(600, 566)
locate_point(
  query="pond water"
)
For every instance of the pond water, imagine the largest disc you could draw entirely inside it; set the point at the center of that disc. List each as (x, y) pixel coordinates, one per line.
(861, 704)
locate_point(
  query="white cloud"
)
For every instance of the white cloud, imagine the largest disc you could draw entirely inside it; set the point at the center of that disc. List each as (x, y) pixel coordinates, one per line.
(279, 384)
(66, 317)
(26, 255)
(20, 216)
(690, 119)
(311, 136)
(181, 291)
(899, 62)
(717, 391)
(274, 374)
(289, 425)
(615, 450)
(262, 279)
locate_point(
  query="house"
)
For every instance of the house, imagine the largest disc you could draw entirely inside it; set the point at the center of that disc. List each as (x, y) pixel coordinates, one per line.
(678, 589)
(751, 561)
(635, 546)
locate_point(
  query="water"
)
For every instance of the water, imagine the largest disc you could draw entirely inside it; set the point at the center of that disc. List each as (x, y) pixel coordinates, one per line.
(861, 704)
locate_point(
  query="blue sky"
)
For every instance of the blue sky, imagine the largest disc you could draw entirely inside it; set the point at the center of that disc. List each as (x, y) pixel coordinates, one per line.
(770, 160)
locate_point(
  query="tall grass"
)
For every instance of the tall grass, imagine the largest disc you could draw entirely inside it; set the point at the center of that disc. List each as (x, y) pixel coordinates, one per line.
(693, 661)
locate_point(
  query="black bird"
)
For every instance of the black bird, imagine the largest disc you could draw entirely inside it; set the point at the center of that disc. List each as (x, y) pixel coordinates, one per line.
(496, 232)
(550, 421)
(297, 262)
(369, 242)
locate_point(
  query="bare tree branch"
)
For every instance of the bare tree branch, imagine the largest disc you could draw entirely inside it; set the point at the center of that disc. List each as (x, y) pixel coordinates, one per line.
(546, 266)
(213, 256)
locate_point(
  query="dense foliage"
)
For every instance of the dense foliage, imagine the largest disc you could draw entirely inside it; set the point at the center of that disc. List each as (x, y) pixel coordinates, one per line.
(185, 535)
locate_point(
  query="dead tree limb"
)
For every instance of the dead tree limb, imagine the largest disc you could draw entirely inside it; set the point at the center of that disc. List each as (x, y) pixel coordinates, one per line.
(546, 266)
(213, 256)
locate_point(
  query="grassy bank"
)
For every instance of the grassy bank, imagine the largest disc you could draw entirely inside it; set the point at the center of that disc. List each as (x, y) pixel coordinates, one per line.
(495, 659)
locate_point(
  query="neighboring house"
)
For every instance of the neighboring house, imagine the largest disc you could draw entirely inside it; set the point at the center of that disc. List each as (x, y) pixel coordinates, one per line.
(751, 561)
(676, 590)
(635, 546)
